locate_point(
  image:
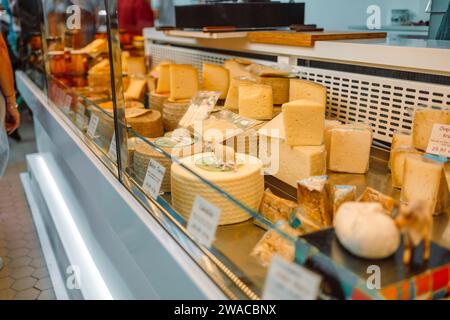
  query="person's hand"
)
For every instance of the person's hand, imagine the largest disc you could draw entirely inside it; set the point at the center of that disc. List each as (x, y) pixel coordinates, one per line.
(12, 121)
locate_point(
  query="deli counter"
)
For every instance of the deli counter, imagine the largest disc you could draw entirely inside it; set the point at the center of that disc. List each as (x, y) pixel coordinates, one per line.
(178, 167)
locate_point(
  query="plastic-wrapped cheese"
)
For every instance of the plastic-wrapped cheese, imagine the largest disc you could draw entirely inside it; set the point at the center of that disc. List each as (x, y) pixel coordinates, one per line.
(304, 122)
(400, 140)
(424, 120)
(366, 231)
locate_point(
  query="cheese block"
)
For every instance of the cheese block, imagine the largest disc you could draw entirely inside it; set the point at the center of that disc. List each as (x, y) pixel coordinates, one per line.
(274, 243)
(313, 199)
(340, 194)
(147, 123)
(232, 100)
(236, 68)
(274, 209)
(136, 65)
(350, 148)
(96, 46)
(304, 123)
(422, 181)
(183, 82)
(163, 85)
(178, 147)
(255, 101)
(397, 160)
(423, 123)
(173, 112)
(216, 78)
(280, 88)
(303, 89)
(157, 100)
(329, 124)
(372, 195)
(136, 89)
(366, 231)
(245, 184)
(400, 140)
(286, 163)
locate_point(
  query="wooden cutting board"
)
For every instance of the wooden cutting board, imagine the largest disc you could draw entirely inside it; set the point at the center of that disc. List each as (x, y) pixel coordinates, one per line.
(307, 39)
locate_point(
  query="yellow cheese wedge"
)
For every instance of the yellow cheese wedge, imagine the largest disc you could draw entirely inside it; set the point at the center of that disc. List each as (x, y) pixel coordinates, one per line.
(216, 78)
(136, 65)
(232, 101)
(400, 140)
(136, 89)
(398, 156)
(163, 85)
(183, 82)
(280, 88)
(255, 101)
(303, 89)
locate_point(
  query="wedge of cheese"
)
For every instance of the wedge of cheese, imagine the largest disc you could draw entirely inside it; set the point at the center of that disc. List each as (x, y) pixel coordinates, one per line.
(423, 123)
(236, 68)
(216, 78)
(183, 81)
(136, 65)
(400, 140)
(303, 89)
(232, 101)
(350, 146)
(313, 199)
(255, 101)
(422, 181)
(329, 124)
(136, 89)
(397, 159)
(280, 88)
(163, 85)
(304, 123)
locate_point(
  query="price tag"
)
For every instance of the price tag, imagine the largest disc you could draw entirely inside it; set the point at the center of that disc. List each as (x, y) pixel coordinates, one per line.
(112, 148)
(439, 143)
(92, 128)
(66, 104)
(81, 120)
(290, 281)
(203, 221)
(154, 178)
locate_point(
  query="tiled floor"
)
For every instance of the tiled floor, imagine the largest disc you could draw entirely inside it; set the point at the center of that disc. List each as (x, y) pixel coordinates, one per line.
(24, 275)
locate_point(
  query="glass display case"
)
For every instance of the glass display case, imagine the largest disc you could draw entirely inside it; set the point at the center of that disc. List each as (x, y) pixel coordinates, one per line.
(218, 150)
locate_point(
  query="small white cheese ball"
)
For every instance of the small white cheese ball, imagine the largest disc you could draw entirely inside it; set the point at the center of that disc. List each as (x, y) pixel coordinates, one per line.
(366, 231)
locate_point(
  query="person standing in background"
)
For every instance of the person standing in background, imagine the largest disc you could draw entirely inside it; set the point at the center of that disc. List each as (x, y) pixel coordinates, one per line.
(9, 115)
(135, 15)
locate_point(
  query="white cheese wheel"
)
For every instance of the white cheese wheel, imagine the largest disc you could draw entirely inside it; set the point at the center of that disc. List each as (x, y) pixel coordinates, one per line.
(365, 231)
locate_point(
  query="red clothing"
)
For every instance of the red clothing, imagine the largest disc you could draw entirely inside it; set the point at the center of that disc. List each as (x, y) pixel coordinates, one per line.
(135, 15)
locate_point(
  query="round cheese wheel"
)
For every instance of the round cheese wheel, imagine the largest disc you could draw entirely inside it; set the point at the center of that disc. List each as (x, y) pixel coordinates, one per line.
(366, 231)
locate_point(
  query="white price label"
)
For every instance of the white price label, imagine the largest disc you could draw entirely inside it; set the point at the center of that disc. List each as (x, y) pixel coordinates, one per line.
(203, 221)
(154, 178)
(112, 148)
(93, 123)
(290, 281)
(81, 120)
(439, 143)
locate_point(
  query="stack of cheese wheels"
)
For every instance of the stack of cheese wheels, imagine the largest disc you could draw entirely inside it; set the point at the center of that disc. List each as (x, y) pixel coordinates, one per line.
(147, 123)
(246, 184)
(179, 148)
(157, 100)
(173, 112)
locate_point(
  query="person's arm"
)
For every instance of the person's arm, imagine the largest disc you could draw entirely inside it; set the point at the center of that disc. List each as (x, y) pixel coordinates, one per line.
(7, 89)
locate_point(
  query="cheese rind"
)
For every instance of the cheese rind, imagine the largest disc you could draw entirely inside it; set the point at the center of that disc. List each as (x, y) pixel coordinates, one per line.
(216, 78)
(232, 100)
(350, 148)
(163, 85)
(255, 101)
(304, 123)
(422, 181)
(423, 123)
(303, 89)
(183, 82)
(280, 88)
(313, 199)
